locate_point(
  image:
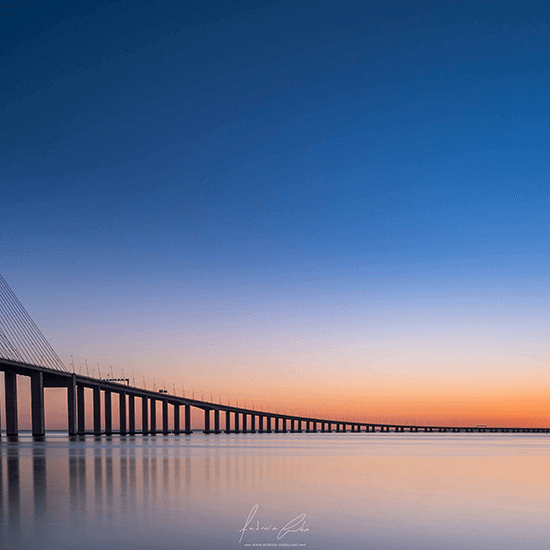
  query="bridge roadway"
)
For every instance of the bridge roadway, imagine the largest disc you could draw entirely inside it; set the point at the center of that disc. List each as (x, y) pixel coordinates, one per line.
(244, 420)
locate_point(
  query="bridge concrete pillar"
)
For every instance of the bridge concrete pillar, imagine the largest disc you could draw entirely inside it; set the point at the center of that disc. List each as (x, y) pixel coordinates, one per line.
(261, 424)
(37, 404)
(206, 421)
(176, 419)
(97, 410)
(131, 414)
(10, 384)
(285, 425)
(268, 426)
(81, 409)
(122, 412)
(153, 404)
(245, 427)
(237, 429)
(227, 422)
(253, 423)
(165, 417)
(188, 419)
(217, 421)
(145, 415)
(108, 413)
(71, 405)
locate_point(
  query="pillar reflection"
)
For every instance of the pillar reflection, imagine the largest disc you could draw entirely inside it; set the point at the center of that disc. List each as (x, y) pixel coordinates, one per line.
(39, 487)
(98, 481)
(124, 479)
(14, 491)
(109, 487)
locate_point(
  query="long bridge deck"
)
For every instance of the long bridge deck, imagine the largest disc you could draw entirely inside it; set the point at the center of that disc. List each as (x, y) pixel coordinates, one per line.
(244, 420)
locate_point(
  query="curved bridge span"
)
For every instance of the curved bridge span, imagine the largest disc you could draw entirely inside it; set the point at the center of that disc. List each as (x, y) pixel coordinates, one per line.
(217, 417)
(24, 351)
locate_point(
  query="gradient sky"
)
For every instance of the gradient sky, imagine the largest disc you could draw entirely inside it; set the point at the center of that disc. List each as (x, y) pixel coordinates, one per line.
(339, 208)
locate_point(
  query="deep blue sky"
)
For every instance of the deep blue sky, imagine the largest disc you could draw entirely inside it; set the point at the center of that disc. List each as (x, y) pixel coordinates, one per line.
(370, 176)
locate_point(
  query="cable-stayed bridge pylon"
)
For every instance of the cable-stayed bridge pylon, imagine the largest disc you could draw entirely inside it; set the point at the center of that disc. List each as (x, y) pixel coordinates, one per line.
(20, 339)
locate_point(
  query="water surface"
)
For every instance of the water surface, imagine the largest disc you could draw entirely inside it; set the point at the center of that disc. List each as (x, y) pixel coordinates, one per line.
(311, 491)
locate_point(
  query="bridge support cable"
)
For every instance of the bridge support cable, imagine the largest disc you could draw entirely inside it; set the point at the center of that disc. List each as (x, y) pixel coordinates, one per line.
(20, 339)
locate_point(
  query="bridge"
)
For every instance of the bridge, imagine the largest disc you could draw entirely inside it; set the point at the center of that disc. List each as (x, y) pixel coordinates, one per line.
(24, 351)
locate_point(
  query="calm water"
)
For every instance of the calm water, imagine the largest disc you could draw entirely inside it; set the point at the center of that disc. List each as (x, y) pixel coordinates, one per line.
(311, 491)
